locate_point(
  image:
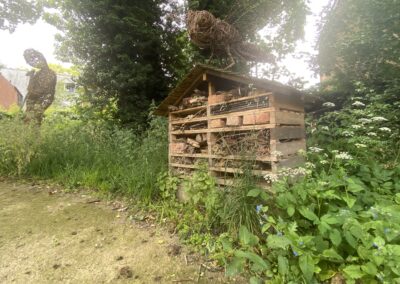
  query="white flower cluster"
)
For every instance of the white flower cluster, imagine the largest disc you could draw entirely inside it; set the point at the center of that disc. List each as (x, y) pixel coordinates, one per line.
(358, 103)
(309, 165)
(385, 129)
(343, 156)
(372, 134)
(276, 153)
(359, 145)
(323, 162)
(285, 172)
(365, 120)
(378, 118)
(315, 149)
(325, 128)
(328, 104)
(270, 178)
(347, 133)
(356, 126)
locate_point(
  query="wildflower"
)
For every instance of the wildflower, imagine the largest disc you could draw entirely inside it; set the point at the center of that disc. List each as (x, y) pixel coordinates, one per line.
(385, 129)
(365, 120)
(309, 165)
(323, 183)
(323, 162)
(356, 126)
(315, 149)
(347, 133)
(358, 103)
(375, 245)
(386, 231)
(295, 253)
(301, 243)
(371, 134)
(258, 208)
(276, 153)
(328, 104)
(271, 178)
(378, 118)
(359, 145)
(343, 156)
(326, 128)
(335, 151)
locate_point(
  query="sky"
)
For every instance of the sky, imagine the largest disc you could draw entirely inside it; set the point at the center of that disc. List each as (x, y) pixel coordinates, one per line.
(40, 36)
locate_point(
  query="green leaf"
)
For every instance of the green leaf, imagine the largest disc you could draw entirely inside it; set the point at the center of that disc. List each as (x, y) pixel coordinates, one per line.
(307, 213)
(256, 259)
(336, 237)
(353, 271)
(274, 242)
(354, 186)
(290, 211)
(330, 219)
(349, 200)
(255, 280)
(236, 266)
(307, 266)
(283, 265)
(332, 254)
(350, 239)
(370, 268)
(254, 192)
(247, 238)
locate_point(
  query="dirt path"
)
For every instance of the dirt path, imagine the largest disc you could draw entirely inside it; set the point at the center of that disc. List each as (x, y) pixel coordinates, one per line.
(62, 238)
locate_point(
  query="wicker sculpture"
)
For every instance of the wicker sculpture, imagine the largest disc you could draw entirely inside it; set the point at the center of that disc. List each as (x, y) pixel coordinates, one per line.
(209, 32)
(41, 87)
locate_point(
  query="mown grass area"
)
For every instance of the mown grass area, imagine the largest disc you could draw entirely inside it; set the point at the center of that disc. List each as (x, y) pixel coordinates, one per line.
(85, 154)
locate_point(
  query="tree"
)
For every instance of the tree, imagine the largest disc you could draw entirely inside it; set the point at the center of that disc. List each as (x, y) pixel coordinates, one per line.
(129, 52)
(360, 41)
(14, 12)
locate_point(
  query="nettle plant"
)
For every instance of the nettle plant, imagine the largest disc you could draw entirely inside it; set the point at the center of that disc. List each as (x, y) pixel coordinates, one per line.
(341, 221)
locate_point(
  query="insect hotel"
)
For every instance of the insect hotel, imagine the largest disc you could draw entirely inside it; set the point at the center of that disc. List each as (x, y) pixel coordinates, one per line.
(227, 120)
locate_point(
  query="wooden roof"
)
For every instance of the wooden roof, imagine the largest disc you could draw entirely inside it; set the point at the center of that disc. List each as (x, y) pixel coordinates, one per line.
(195, 77)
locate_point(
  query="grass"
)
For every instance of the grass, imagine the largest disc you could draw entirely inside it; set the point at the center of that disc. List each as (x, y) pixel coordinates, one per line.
(86, 154)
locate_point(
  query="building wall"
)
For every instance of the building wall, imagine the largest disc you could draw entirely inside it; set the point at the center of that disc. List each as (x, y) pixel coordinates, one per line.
(8, 94)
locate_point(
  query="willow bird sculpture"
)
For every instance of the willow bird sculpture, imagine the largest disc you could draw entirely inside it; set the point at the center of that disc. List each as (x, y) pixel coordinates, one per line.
(209, 32)
(41, 87)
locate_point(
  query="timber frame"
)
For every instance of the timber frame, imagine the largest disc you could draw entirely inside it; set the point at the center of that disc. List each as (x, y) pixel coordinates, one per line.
(222, 119)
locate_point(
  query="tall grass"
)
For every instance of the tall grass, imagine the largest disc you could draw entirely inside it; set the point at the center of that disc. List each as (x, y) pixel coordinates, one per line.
(88, 154)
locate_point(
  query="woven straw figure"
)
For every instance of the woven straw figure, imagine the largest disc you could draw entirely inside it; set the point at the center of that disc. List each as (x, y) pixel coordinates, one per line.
(41, 87)
(209, 32)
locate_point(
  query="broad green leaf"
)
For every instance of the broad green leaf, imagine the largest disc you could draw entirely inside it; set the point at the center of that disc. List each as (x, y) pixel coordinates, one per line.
(255, 280)
(247, 238)
(336, 237)
(354, 186)
(254, 192)
(283, 265)
(332, 254)
(290, 211)
(274, 241)
(307, 266)
(330, 219)
(349, 200)
(370, 268)
(256, 259)
(307, 213)
(397, 198)
(353, 271)
(236, 266)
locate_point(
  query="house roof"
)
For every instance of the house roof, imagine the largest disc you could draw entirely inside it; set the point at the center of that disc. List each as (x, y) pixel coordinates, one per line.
(195, 77)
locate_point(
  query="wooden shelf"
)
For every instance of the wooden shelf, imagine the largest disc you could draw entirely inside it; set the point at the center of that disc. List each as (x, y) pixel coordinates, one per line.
(184, 166)
(187, 120)
(229, 157)
(244, 112)
(243, 99)
(242, 128)
(239, 171)
(189, 110)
